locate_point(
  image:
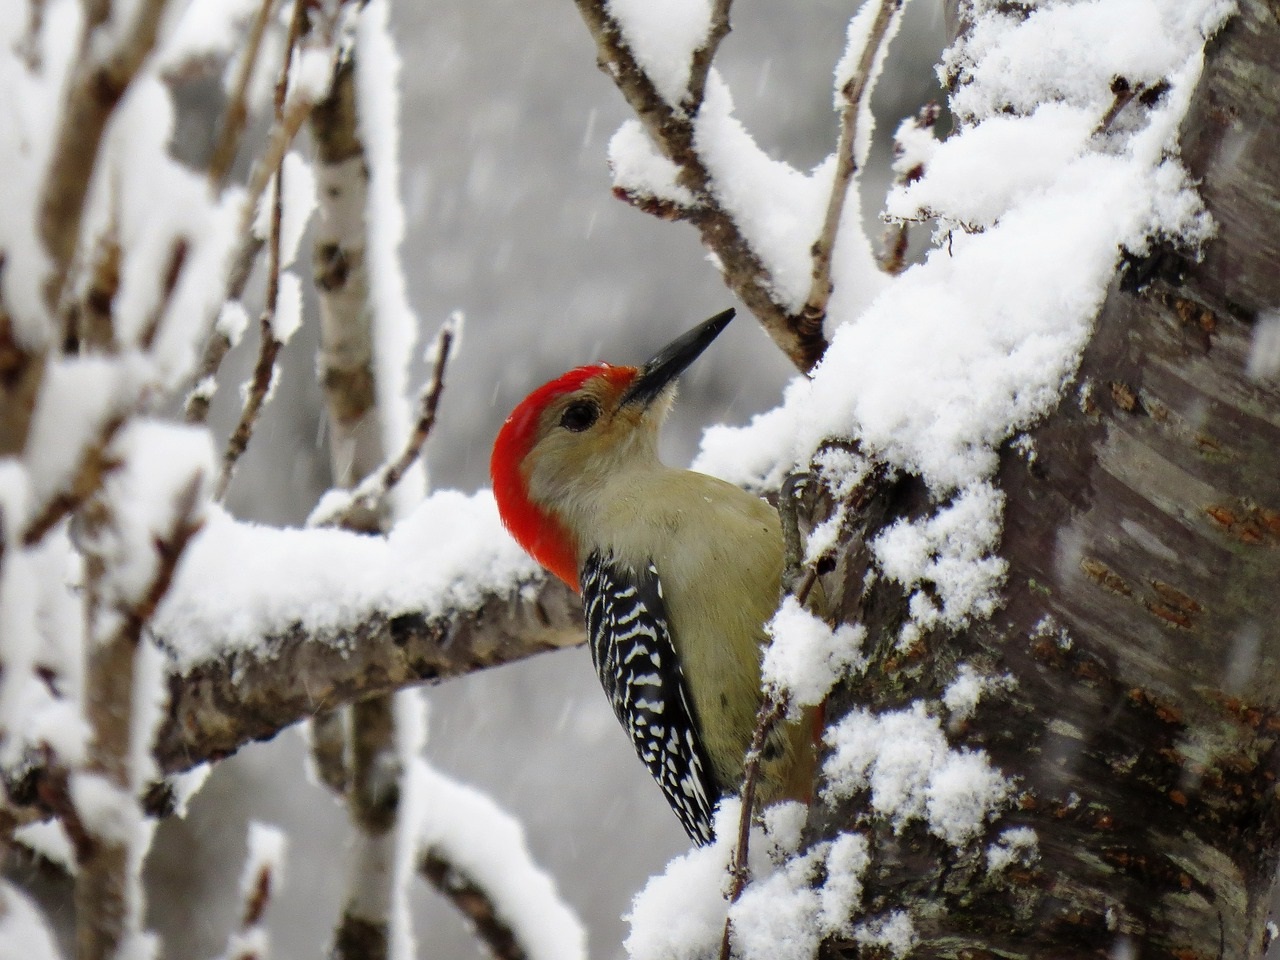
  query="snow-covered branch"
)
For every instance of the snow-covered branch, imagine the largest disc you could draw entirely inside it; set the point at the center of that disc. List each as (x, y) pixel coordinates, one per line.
(99, 81)
(446, 593)
(673, 125)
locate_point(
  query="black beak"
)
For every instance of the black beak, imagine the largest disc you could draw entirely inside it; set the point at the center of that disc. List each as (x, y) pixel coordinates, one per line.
(671, 360)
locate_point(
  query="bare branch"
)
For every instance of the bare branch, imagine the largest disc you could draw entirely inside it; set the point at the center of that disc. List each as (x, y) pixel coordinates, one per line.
(672, 129)
(1124, 92)
(772, 709)
(700, 65)
(373, 489)
(255, 399)
(231, 127)
(854, 92)
(269, 349)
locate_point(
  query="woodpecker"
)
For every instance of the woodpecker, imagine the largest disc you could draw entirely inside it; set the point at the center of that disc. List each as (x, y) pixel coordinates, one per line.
(678, 573)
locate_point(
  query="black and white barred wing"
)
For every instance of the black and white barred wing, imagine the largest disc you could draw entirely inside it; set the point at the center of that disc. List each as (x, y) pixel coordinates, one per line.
(630, 639)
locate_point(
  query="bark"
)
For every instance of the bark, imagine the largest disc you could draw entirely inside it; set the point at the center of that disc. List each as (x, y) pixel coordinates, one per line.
(1143, 726)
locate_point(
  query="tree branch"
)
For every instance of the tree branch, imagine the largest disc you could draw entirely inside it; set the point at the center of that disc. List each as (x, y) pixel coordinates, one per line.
(672, 129)
(474, 903)
(269, 349)
(231, 127)
(96, 89)
(219, 705)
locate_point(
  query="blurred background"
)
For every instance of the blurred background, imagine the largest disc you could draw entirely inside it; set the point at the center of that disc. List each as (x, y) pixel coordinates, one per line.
(505, 120)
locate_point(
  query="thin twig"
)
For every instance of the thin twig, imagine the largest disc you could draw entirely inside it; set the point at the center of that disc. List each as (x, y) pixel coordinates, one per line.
(700, 63)
(774, 705)
(231, 127)
(854, 91)
(219, 344)
(1124, 92)
(95, 463)
(473, 902)
(897, 234)
(772, 709)
(378, 484)
(269, 349)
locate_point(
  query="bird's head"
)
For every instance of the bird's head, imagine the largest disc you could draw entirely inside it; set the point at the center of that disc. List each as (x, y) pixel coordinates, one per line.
(581, 431)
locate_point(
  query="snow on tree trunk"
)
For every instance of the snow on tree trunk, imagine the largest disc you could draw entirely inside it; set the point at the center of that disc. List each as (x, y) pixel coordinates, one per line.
(1132, 665)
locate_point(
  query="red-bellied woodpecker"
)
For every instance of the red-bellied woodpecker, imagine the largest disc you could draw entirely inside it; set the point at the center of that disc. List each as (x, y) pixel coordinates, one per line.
(678, 572)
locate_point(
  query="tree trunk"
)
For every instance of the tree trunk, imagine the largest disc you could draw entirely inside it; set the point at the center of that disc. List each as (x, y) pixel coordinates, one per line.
(1141, 621)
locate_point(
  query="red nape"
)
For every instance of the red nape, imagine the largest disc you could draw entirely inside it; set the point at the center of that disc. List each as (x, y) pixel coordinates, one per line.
(540, 533)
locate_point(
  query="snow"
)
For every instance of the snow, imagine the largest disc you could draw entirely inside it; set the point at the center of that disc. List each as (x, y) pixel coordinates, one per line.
(792, 902)
(806, 657)
(394, 323)
(1005, 310)
(157, 207)
(311, 75)
(969, 686)
(953, 551)
(184, 786)
(1072, 51)
(26, 139)
(232, 321)
(902, 757)
(204, 28)
(298, 206)
(165, 468)
(77, 398)
(856, 40)
(24, 934)
(640, 169)
(786, 913)
(778, 209)
(240, 583)
(663, 35)
(489, 847)
(266, 852)
(776, 916)
(1016, 845)
(848, 858)
(150, 694)
(48, 839)
(841, 471)
(108, 812)
(680, 914)
(893, 932)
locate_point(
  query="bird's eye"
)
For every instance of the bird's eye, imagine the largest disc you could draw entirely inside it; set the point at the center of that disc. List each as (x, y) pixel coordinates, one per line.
(579, 416)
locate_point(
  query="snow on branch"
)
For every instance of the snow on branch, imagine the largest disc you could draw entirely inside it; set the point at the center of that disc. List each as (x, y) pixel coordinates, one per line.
(445, 593)
(476, 855)
(651, 76)
(1035, 207)
(100, 80)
